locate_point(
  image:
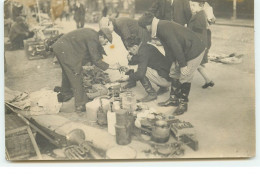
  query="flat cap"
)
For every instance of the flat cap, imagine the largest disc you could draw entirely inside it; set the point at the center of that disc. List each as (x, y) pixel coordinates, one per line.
(146, 19)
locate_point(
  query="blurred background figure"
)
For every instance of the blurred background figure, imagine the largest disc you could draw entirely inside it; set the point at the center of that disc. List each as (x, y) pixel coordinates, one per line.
(19, 32)
(162, 9)
(79, 14)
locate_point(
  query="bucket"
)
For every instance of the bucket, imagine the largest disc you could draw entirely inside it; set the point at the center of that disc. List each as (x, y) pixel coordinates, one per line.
(123, 135)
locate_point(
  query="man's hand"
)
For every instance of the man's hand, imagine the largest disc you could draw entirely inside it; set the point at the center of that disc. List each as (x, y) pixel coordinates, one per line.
(129, 57)
(184, 70)
(86, 67)
(124, 78)
(115, 66)
(123, 69)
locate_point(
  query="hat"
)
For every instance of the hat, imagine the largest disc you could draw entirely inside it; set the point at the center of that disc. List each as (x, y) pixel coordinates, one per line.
(146, 19)
(107, 33)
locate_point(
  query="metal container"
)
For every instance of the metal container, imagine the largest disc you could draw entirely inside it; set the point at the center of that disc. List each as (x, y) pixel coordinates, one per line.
(161, 132)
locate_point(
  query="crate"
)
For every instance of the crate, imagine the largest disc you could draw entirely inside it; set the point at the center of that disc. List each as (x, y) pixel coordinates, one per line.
(19, 139)
(35, 49)
(19, 145)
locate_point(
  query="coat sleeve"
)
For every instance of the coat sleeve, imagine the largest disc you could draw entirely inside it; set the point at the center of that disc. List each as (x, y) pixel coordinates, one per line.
(142, 67)
(95, 55)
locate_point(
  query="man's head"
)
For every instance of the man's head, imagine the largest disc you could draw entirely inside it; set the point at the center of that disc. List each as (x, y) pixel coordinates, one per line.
(133, 44)
(196, 5)
(146, 20)
(105, 36)
(105, 22)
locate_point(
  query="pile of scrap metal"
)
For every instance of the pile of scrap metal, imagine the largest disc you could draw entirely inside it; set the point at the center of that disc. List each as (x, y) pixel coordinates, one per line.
(94, 80)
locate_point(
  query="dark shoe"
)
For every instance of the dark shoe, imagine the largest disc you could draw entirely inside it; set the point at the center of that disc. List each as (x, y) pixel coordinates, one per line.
(172, 101)
(162, 90)
(64, 98)
(81, 108)
(148, 98)
(181, 109)
(130, 85)
(210, 84)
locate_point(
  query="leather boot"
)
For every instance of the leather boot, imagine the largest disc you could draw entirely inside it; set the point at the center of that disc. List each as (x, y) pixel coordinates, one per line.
(175, 91)
(152, 95)
(183, 100)
(162, 90)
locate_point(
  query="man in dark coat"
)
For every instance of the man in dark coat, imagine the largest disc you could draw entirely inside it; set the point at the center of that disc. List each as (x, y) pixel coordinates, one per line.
(73, 51)
(186, 51)
(126, 27)
(19, 32)
(79, 14)
(152, 66)
(162, 9)
(181, 12)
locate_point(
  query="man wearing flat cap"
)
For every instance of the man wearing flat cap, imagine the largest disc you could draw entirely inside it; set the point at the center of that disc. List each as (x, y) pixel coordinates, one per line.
(73, 51)
(185, 49)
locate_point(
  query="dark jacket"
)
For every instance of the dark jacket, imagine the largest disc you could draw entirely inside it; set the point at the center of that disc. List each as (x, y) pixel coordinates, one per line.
(126, 27)
(198, 24)
(18, 29)
(162, 9)
(181, 11)
(180, 44)
(80, 47)
(150, 56)
(79, 12)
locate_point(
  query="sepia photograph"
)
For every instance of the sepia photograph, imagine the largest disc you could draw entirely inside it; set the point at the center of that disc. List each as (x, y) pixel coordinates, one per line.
(116, 80)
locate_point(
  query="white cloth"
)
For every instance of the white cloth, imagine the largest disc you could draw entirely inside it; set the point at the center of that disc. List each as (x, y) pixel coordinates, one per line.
(154, 27)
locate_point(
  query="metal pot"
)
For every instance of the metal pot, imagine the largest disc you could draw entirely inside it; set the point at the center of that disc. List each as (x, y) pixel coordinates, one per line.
(161, 131)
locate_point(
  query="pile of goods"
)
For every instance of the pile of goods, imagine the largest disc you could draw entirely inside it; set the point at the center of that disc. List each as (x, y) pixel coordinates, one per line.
(94, 80)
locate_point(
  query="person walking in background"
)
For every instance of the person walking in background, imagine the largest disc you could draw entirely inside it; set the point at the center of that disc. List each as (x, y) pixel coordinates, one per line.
(199, 25)
(186, 51)
(79, 14)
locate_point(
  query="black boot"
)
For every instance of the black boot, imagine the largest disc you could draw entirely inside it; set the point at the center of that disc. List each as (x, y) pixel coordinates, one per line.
(183, 100)
(162, 90)
(173, 100)
(152, 95)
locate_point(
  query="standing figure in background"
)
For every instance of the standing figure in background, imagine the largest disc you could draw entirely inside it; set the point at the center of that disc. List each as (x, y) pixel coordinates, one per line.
(19, 32)
(162, 9)
(181, 12)
(79, 14)
(17, 10)
(199, 25)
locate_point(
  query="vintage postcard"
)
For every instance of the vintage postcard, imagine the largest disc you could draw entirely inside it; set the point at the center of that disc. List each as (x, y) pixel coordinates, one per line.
(129, 79)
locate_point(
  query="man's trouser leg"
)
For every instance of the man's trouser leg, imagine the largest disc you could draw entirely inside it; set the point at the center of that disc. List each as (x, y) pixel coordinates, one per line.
(154, 77)
(76, 82)
(152, 95)
(185, 81)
